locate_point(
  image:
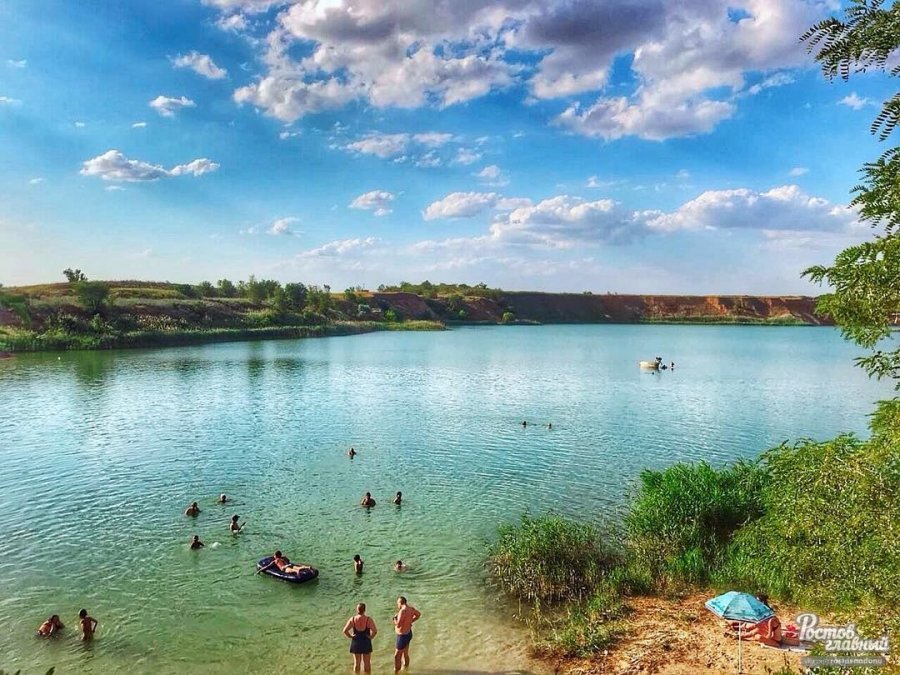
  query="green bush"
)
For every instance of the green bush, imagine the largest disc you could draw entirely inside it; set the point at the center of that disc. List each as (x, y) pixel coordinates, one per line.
(682, 518)
(547, 559)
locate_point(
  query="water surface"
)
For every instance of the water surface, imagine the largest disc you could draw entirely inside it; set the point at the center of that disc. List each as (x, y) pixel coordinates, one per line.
(101, 452)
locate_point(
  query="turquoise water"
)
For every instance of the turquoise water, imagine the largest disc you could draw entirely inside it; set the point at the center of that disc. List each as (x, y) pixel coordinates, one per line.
(101, 453)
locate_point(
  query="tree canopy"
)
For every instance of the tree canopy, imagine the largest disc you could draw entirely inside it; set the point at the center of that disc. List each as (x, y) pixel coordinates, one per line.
(865, 279)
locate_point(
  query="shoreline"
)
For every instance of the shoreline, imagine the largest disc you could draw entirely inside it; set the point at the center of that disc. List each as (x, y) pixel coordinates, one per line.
(11, 346)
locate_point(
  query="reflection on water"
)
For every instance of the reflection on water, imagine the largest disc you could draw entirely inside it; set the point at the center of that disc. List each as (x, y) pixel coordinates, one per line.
(101, 453)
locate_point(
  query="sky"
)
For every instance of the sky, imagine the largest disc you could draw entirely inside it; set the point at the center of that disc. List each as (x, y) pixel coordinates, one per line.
(646, 146)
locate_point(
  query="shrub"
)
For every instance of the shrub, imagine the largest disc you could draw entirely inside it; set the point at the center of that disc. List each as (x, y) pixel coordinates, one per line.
(92, 294)
(547, 559)
(682, 518)
(508, 317)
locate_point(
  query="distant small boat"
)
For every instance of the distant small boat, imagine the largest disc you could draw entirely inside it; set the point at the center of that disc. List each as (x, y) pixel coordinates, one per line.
(649, 365)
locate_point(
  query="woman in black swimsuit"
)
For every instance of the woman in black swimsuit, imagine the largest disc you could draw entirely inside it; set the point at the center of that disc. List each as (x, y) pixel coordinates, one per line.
(361, 629)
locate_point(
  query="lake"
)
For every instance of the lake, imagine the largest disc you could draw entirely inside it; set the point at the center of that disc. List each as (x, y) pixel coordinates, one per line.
(102, 452)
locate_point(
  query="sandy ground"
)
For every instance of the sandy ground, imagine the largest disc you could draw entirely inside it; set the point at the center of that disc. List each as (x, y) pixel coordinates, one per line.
(682, 637)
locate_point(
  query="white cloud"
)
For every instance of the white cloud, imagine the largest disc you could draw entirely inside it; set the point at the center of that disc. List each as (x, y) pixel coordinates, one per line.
(282, 226)
(433, 139)
(776, 80)
(683, 174)
(80, 125)
(6, 100)
(492, 175)
(233, 22)
(380, 145)
(471, 204)
(466, 156)
(139, 125)
(114, 166)
(114, 188)
(19, 64)
(377, 201)
(36, 181)
(246, 6)
(798, 171)
(782, 208)
(168, 106)
(856, 102)
(339, 248)
(201, 64)
(286, 134)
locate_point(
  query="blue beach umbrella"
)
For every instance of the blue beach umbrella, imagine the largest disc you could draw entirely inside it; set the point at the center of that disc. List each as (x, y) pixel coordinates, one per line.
(741, 607)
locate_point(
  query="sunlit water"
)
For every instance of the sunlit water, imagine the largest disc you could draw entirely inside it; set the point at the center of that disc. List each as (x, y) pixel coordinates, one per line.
(101, 452)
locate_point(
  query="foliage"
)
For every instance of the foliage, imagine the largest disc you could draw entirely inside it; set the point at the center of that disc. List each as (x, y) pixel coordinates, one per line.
(827, 535)
(92, 294)
(681, 519)
(865, 279)
(74, 276)
(508, 317)
(226, 289)
(319, 299)
(206, 290)
(429, 290)
(18, 304)
(547, 559)
(296, 295)
(391, 316)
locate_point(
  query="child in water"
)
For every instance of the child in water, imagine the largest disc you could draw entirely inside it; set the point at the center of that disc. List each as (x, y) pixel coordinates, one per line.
(234, 527)
(196, 544)
(358, 564)
(88, 625)
(50, 627)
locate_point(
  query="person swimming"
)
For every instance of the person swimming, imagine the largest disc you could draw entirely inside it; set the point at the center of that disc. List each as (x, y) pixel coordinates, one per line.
(398, 500)
(358, 564)
(222, 498)
(399, 566)
(50, 627)
(196, 544)
(367, 501)
(524, 424)
(284, 565)
(88, 625)
(234, 527)
(193, 510)
(351, 453)
(549, 425)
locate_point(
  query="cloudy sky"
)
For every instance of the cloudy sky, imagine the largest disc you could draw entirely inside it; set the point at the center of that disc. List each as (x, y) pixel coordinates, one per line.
(669, 146)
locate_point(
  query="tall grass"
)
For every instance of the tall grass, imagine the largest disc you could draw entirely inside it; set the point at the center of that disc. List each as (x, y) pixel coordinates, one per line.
(548, 559)
(681, 519)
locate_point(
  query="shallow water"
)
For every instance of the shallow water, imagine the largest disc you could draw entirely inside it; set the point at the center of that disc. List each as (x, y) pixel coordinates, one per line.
(101, 452)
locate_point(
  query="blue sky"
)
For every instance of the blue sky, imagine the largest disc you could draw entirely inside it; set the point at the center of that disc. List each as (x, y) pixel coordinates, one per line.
(686, 146)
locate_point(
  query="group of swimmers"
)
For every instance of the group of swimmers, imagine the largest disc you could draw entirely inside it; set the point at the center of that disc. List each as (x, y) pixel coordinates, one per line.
(192, 511)
(360, 629)
(54, 624)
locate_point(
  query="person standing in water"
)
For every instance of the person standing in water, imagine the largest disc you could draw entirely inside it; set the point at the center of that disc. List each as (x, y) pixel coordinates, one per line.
(222, 499)
(196, 544)
(358, 564)
(398, 500)
(367, 501)
(193, 510)
(234, 527)
(88, 625)
(403, 620)
(361, 629)
(351, 453)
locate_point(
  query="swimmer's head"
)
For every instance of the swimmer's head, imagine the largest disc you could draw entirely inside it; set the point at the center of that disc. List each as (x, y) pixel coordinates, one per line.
(361, 608)
(82, 613)
(356, 558)
(278, 554)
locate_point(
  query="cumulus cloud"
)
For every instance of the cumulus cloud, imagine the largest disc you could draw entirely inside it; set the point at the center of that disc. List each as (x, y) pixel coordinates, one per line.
(377, 201)
(853, 100)
(492, 175)
(781, 208)
(798, 171)
(286, 134)
(391, 146)
(466, 156)
(201, 64)
(168, 106)
(282, 226)
(247, 6)
(471, 204)
(232, 23)
(339, 248)
(116, 167)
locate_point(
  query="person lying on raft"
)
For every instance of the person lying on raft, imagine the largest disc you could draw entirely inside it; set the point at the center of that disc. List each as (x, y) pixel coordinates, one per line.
(50, 627)
(367, 501)
(284, 565)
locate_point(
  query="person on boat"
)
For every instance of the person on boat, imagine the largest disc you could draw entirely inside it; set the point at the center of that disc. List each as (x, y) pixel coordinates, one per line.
(403, 620)
(351, 453)
(367, 501)
(193, 510)
(399, 566)
(222, 498)
(361, 629)
(88, 625)
(196, 544)
(283, 565)
(50, 627)
(234, 527)
(398, 500)
(358, 564)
